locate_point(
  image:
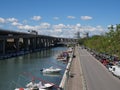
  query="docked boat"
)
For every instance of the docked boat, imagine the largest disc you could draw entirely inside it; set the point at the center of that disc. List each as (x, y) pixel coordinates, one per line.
(36, 86)
(70, 50)
(61, 58)
(50, 70)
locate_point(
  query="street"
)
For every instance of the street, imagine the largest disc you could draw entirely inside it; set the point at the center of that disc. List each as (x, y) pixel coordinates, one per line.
(96, 76)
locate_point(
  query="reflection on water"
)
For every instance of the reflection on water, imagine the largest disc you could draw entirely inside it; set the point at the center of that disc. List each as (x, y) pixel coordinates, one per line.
(12, 71)
(52, 74)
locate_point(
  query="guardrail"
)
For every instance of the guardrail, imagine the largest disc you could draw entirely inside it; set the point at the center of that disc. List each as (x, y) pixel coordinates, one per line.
(65, 77)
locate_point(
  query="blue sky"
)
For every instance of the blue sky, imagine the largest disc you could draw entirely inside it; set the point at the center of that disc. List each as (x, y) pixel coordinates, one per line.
(59, 17)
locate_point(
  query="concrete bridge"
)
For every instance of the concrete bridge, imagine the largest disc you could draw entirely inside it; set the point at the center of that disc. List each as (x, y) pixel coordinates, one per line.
(16, 43)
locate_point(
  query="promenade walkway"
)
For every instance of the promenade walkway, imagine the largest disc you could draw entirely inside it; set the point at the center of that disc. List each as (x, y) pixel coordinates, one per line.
(75, 78)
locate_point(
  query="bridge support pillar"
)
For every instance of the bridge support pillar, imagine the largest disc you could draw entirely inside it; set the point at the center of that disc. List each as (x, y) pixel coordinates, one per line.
(42, 43)
(16, 41)
(37, 43)
(32, 44)
(26, 44)
(3, 46)
(47, 43)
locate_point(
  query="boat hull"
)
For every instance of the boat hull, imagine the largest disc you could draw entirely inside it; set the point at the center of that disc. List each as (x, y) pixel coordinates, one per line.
(51, 71)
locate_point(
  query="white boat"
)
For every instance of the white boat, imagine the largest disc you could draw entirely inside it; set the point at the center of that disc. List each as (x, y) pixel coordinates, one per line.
(36, 86)
(51, 70)
(70, 50)
(29, 89)
(22, 89)
(61, 58)
(39, 85)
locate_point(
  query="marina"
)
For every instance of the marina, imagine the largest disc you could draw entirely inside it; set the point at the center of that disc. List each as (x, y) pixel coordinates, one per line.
(18, 71)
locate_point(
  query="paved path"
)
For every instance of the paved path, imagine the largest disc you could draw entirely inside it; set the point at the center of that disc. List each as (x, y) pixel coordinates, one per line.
(96, 75)
(75, 82)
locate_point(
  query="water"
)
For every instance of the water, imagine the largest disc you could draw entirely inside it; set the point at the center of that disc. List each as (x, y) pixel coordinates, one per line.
(18, 71)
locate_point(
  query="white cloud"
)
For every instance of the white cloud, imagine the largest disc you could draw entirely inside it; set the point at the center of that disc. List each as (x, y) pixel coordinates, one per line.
(25, 21)
(93, 30)
(70, 30)
(36, 18)
(58, 30)
(86, 17)
(56, 18)
(78, 25)
(89, 28)
(100, 28)
(12, 20)
(61, 30)
(45, 25)
(26, 27)
(71, 17)
(59, 26)
(114, 26)
(109, 26)
(16, 24)
(2, 20)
